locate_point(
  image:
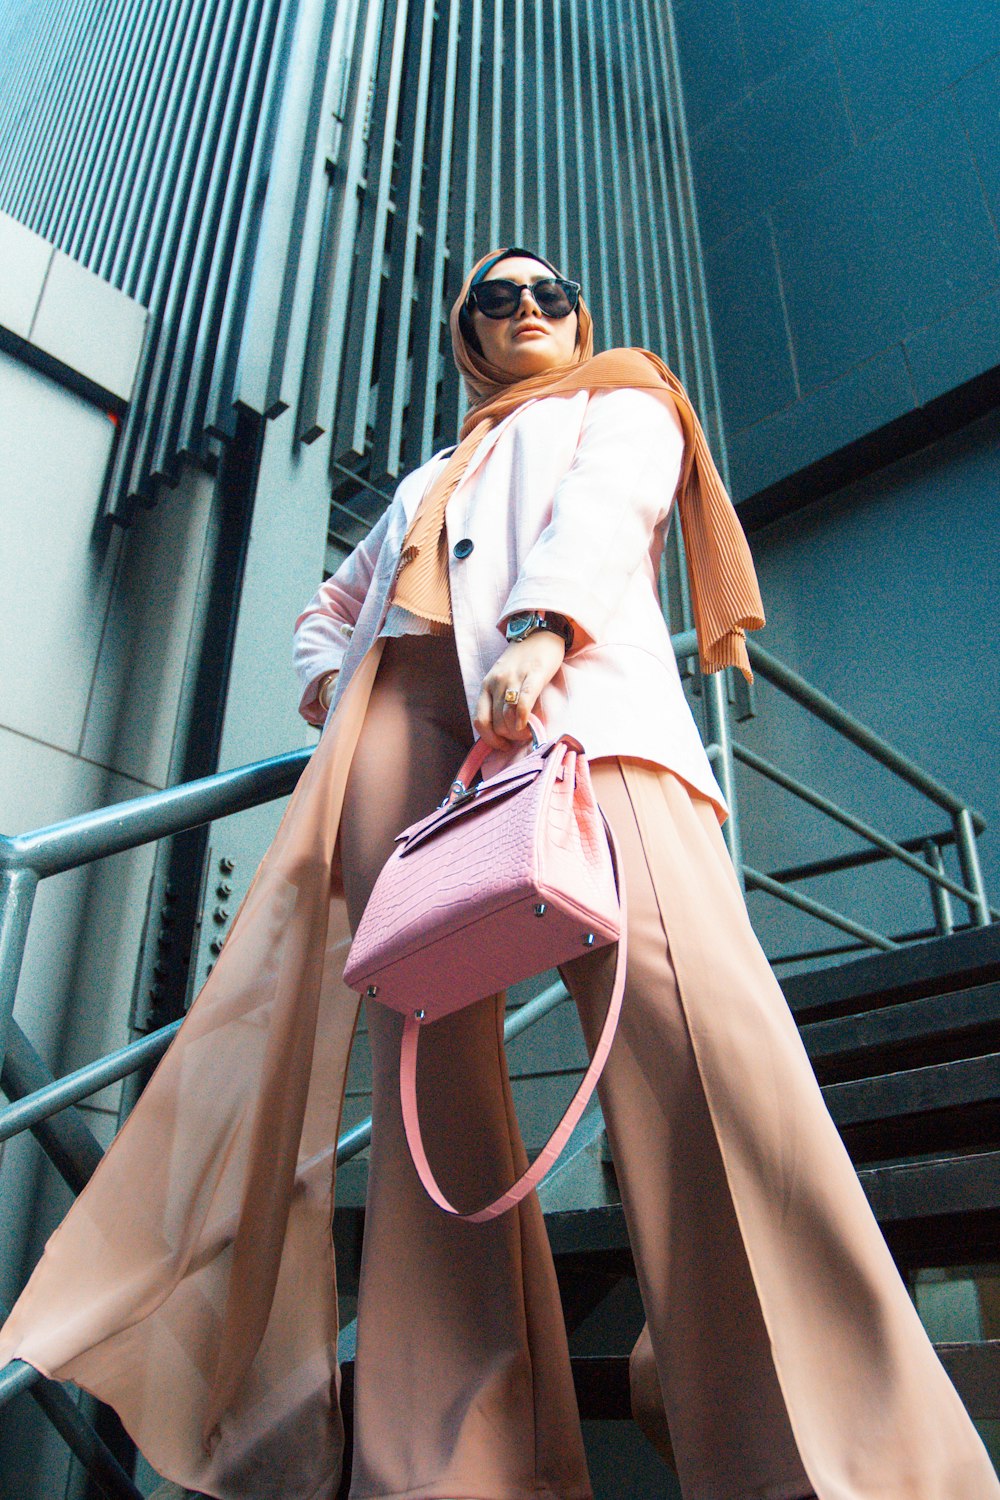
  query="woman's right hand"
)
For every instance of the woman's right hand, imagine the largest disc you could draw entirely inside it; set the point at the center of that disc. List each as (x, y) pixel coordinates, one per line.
(524, 669)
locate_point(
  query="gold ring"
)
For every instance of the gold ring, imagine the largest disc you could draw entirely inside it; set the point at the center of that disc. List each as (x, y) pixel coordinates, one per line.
(512, 695)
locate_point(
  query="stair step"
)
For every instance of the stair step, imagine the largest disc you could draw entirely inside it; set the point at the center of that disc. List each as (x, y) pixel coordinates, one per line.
(942, 1211)
(602, 1391)
(938, 1107)
(911, 1033)
(955, 1185)
(602, 1388)
(964, 1184)
(906, 1046)
(948, 1205)
(933, 967)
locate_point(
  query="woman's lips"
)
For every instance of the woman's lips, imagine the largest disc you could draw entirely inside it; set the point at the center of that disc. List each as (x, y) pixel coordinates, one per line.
(532, 328)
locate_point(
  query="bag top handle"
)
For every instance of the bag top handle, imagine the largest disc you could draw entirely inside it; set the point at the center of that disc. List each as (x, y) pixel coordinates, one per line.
(473, 762)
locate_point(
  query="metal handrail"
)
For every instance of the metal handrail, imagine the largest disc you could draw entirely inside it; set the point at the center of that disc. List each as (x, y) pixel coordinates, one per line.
(68, 1420)
(856, 859)
(757, 880)
(889, 846)
(42, 1103)
(358, 1138)
(724, 751)
(27, 858)
(156, 815)
(782, 676)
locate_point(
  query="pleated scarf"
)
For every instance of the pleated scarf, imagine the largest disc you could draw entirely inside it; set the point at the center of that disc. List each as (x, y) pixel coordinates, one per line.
(725, 598)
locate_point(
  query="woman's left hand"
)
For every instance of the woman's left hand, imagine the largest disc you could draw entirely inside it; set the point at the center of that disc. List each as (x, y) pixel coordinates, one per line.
(524, 668)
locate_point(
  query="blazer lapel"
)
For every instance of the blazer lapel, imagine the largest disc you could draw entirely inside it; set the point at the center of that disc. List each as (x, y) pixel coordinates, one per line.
(487, 445)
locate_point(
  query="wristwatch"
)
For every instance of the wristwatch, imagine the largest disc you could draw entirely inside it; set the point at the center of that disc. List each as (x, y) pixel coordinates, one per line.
(524, 623)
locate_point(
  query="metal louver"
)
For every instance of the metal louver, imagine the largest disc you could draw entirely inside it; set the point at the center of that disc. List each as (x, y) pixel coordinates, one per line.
(294, 188)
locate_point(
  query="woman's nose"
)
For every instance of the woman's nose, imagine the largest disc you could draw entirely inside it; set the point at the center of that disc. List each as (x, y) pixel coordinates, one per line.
(533, 305)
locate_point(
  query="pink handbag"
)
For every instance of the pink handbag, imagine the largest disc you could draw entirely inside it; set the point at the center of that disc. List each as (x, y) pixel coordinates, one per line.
(505, 879)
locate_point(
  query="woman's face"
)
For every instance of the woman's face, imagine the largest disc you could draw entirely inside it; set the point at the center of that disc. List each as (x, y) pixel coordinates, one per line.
(527, 342)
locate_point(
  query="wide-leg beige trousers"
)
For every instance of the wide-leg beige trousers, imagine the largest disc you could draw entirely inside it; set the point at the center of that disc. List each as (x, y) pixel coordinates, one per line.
(782, 1352)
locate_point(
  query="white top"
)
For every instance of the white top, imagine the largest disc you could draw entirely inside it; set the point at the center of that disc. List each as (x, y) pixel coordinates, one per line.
(399, 622)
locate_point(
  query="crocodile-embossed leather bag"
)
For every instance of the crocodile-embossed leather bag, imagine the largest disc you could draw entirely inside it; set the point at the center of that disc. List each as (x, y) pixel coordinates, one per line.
(507, 878)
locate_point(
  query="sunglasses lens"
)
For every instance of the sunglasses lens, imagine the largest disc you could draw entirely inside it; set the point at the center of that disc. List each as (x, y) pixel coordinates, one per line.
(553, 299)
(497, 299)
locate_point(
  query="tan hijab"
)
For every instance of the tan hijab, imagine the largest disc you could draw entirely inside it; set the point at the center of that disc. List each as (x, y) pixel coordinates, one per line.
(724, 594)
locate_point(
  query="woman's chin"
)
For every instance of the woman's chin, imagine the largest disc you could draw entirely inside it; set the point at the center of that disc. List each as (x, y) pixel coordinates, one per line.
(532, 359)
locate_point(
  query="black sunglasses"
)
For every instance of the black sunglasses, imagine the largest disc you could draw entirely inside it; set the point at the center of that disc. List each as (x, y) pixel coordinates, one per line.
(497, 299)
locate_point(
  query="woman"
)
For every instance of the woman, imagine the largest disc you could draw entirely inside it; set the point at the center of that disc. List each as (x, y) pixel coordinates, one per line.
(782, 1351)
(745, 1215)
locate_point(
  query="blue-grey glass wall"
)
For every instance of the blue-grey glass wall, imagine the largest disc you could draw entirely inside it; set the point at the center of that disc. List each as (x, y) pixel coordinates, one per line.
(847, 163)
(180, 150)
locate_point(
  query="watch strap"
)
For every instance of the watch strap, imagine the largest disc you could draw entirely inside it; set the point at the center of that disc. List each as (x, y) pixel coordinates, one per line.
(545, 620)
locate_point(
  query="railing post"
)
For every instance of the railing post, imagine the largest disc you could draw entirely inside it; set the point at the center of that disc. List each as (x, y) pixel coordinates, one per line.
(972, 875)
(717, 729)
(944, 919)
(17, 895)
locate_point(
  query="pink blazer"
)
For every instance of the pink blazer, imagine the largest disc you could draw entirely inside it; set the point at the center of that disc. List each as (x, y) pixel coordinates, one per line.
(566, 504)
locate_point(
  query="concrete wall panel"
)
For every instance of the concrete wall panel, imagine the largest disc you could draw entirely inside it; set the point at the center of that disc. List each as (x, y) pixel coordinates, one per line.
(25, 259)
(53, 458)
(89, 326)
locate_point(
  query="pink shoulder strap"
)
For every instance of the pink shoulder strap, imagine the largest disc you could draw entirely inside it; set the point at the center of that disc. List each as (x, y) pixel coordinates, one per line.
(557, 1140)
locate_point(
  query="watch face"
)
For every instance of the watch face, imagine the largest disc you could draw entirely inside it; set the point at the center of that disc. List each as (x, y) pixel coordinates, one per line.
(518, 624)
